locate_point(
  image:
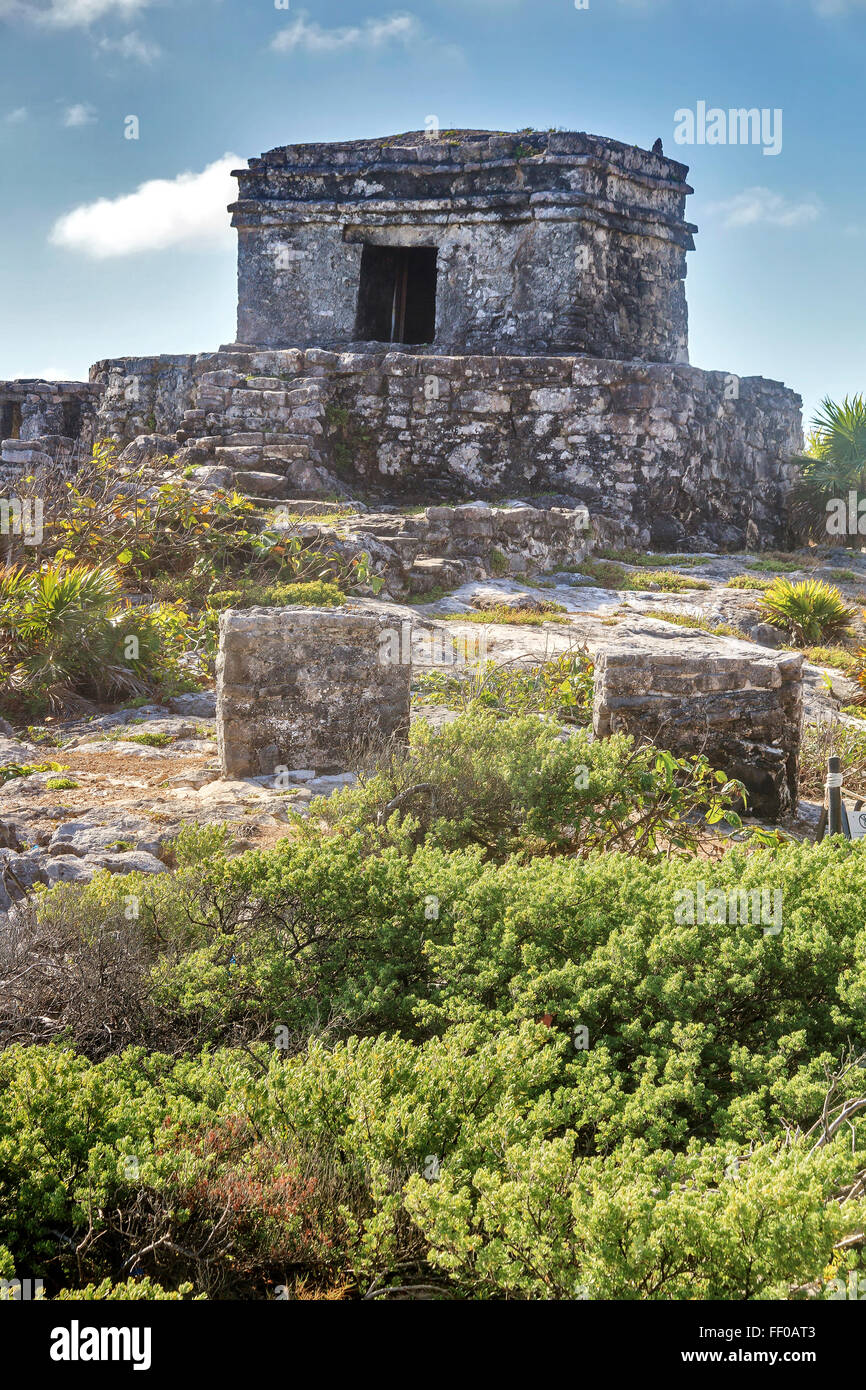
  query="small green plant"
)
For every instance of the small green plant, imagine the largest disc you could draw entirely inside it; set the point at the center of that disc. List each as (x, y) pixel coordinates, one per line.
(61, 784)
(644, 560)
(772, 564)
(839, 657)
(149, 740)
(841, 576)
(747, 581)
(834, 464)
(315, 594)
(609, 575)
(513, 617)
(669, 615)
(562, 686)
(12, 770)
(810, 612)
(498, 562)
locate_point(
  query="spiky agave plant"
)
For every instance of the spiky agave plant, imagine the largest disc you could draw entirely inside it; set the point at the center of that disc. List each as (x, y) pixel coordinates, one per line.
(64, 635)
(834, 463)
(811, 612)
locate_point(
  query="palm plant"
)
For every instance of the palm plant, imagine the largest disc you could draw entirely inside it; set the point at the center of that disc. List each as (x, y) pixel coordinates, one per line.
(834, 463)
(811, 612)
(65, 636)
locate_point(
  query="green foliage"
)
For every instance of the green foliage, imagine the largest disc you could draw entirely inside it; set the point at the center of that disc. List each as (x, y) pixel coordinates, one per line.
(775, 564)
(670, 615)
(66, 635)
(644, 560)
(835, 463)
(515, 617)
(609, 575)
(10, 770)
(61, 784)
(519, 785)
(562, 686)
(839, 657)
(314, 594)
(810, 612)
(130, 1290)
(443, 1121)
(747, 581)
(498, 562)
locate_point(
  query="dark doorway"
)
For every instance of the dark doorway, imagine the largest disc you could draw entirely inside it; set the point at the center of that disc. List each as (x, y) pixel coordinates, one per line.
(397, 294)
(10, 420)
(71, 419)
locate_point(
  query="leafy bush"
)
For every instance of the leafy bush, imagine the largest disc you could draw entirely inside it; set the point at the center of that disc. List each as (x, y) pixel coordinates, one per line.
(66, 636)
(11, 770)
(810, 612)
(562, 686)
(834, 464)
(159, 535)
(669, 615)
(447, 1131)
(314, 594)
(518, 784)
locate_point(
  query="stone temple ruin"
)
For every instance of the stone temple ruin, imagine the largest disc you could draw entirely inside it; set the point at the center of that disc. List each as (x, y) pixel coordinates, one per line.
(477, 317)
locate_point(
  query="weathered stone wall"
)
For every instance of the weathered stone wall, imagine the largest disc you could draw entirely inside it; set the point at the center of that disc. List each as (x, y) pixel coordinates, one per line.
(145, 395)
(739, 704)
(300, 687)
(677, 455)
(546, 241)
(446, 546)
(42, 421)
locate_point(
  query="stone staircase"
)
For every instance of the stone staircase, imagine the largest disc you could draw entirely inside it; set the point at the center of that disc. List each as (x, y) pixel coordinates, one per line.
(258, 433)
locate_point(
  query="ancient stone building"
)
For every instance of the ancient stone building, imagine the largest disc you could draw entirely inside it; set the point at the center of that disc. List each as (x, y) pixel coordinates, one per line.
(42, 420)
(473, 242)
(478, 316)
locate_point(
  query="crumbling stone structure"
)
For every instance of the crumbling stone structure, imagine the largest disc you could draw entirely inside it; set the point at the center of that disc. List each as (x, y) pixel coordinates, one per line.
(304, 687)
(41, 421)
(480, 315)
(739, 704)
(475, 242)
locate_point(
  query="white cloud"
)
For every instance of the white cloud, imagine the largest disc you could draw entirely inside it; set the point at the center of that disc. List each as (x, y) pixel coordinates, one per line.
(70, 14)
(16, 117)
(189, 210)
(304, 35)
(761, 206)
(131, 46)
(78, 115)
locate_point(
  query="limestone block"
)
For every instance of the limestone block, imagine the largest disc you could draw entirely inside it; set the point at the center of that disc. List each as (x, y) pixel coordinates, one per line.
(299, 687)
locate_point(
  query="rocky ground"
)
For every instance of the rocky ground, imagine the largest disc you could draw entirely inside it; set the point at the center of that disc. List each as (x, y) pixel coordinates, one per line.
(140, 774)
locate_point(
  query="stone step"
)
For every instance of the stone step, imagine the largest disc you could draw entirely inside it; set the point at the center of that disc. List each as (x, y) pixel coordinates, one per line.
(238, 458)
(256, 484)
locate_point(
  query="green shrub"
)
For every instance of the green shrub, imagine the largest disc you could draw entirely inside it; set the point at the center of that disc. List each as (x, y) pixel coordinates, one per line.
(609, 575)
(518, 784)
(834, 464)
(66, 636)
(562, 686)
(810, 612)
(669, 615)
(747, 581)
(11, 770)
(519, 617)
(315, 594)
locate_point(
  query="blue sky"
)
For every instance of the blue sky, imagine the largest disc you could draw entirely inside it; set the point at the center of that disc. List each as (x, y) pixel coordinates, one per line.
(112, 246)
